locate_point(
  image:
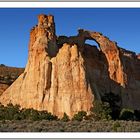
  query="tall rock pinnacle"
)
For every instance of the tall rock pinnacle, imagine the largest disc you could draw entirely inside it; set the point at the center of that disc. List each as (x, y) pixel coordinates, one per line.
(56, 83)
(43, 35)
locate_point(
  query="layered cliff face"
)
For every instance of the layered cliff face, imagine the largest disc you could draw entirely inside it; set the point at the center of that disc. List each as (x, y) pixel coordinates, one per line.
(7, 76)
(63, 74)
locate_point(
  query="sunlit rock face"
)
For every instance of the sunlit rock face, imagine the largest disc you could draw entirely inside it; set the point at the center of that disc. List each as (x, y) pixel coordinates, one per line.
(65, 75)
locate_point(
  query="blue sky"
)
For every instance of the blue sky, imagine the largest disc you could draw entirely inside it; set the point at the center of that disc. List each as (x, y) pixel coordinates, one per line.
(120, 25)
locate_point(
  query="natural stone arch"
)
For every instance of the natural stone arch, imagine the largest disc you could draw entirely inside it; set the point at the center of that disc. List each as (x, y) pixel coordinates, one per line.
(111, 51)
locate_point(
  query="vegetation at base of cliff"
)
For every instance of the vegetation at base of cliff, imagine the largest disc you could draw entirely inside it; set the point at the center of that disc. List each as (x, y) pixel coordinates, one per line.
(109, 109)
(11, 112)
(65, 118)
(101, 111)
(127, 114)
(79, 116)
(114, 102)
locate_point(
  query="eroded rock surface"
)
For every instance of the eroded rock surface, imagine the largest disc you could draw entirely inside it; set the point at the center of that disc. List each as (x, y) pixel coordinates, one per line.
(7, 76)
(63, 74)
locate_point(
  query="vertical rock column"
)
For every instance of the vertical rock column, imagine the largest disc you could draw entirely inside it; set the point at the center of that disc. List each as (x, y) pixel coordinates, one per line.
(41, 49)
(31, 87)
(53, 80)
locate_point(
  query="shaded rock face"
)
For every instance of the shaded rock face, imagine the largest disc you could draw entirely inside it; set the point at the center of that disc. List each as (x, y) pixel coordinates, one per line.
(63, 74)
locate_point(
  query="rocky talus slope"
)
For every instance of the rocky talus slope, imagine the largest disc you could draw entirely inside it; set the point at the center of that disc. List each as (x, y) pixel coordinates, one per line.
(64, 74)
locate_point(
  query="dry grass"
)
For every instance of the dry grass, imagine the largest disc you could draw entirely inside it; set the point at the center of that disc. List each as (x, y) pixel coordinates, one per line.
(70, 126)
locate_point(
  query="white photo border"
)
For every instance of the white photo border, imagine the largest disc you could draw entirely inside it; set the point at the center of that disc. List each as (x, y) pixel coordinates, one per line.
(70, 5)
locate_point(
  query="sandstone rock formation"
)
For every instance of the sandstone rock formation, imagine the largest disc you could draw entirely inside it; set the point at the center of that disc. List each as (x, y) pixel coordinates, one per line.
(63, 74)
(7, 76)
(3, 87)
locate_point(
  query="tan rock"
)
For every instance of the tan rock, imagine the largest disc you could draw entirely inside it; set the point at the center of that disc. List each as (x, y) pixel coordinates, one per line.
(53, 82)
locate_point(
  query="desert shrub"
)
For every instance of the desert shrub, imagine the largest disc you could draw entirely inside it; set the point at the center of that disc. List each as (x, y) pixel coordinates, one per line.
(127, 114)
(11, 112)
(89, 117)
(34, 115)
(116, 125)
(7, 77)
(44, 115)
(137, 115)
(101, 110)
(2, 65)
(2, 112)
(114, 102)
(79, 116)
(65, 118)
(62, 130)
(30, 114)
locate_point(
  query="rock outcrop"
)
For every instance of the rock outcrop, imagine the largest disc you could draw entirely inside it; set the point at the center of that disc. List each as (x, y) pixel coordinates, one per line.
(63, 74)
(3, 87)
(7, 76)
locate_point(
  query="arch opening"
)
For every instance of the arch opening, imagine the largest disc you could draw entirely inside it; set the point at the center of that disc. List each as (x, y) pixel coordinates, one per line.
(92, 43)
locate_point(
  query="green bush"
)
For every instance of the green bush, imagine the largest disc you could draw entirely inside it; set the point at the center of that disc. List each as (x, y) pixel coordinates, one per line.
(2, 112)
(47, 116)
(11, 112)
(127, 114)
(116, 125)
(30, 114)
(114, 101)
(101, 110)
(79, 116)
(65, 118)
